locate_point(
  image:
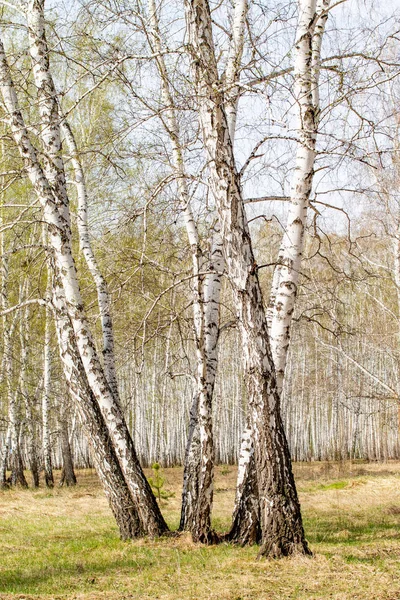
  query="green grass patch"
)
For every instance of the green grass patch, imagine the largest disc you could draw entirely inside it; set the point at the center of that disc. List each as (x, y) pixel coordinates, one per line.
(335, 485)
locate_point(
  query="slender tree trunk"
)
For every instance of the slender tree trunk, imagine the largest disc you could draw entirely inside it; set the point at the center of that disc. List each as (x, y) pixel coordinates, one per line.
(30, 417)
(280, 518)
(197, 491)
(16, 464)
(68, 476)
(310, 29)
(234, 64)
(46, 441)
(4, 306)
(4, 460)
(15, 459)
(207, 340)
(103, 296)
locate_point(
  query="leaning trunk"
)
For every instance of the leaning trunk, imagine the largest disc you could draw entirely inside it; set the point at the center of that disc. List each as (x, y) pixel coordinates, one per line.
(55, 203)
(102, 450)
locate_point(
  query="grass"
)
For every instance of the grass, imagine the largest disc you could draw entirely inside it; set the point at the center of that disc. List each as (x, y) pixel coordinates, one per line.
(64, 543)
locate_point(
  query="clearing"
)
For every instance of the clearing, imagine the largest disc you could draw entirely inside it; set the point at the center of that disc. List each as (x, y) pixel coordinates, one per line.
(63, 543)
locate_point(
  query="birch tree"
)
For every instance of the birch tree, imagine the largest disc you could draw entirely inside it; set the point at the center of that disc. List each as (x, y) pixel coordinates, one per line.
(197, 494)
(103, 296)
(12, 449)
(46, 442)
(281, 525)
(49, 185)
(307, 64)
(29, 402)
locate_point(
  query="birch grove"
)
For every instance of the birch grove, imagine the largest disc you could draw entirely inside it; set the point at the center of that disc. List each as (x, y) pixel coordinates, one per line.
(199, 216)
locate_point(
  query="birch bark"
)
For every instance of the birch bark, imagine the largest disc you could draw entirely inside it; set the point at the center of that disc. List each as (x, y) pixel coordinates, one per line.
(103, 453)
(29, 410)
(13, 434)
(47, 463)
(245, 527)
(4, 306)
(103, 296)
(234, 64)
(281, 524)
(68, 476)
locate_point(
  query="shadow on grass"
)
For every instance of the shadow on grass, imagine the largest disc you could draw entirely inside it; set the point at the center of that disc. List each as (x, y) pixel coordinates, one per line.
(348, 532)
(70, 569)
(99, 563)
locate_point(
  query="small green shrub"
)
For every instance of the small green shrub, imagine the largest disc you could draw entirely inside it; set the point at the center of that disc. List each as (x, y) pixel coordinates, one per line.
(157, 484)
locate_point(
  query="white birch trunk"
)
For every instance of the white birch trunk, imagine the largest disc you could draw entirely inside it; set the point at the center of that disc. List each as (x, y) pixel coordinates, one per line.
(310, 28)
(245, 520)
(311, 25)
(47, 463)
(6, 343)
(197, 497)
(29, 408)
(104, 456)
(13, 445)
(234, 65)
(103, 296)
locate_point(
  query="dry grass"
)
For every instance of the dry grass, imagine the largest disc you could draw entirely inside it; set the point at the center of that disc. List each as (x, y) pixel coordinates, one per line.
(64, 544)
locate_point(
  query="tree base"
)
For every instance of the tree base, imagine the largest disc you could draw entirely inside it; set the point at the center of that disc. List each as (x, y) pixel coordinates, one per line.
(281, 550)
(209, 538)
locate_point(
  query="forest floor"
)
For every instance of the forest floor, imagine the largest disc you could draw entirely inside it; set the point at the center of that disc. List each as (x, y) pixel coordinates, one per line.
(63, 543)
